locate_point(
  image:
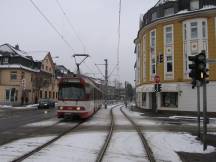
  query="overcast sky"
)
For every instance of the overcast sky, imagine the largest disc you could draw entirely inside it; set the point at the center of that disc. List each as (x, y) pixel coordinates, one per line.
(95, 21)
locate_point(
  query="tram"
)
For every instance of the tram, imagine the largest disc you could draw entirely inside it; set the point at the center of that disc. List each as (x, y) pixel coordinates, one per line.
(78, 96)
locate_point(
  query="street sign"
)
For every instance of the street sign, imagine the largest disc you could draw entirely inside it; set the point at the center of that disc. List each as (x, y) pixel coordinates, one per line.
(157, 79)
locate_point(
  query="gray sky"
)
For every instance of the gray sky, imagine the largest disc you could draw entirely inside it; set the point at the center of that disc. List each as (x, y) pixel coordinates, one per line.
(96, 22)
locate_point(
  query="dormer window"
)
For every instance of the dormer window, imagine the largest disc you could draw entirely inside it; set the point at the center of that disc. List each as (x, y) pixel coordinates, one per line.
(194, 4)
(169, 11)
(154, 16)
(5, 60)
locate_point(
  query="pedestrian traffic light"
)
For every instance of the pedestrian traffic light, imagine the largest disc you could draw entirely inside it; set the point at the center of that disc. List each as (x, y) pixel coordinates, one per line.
(161, 58)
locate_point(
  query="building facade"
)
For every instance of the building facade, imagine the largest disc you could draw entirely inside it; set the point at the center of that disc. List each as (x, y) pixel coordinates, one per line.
(170, 32)
(24, 80)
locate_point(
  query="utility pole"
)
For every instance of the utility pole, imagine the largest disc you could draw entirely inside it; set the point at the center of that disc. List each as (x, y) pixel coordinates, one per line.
(106, 81)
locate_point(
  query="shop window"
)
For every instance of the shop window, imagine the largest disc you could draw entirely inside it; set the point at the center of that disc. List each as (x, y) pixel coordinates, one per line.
(169, 11)
(13, 75)
(169, 99)
(194, 4)
(143, 99)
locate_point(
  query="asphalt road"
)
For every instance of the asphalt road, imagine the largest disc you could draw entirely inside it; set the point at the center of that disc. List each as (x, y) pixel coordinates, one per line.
(11, 122)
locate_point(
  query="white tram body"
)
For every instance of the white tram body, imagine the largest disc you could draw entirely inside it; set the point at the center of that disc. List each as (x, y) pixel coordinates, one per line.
(78, 96)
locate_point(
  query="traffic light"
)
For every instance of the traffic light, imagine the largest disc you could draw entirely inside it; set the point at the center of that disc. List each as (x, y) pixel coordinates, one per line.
(194, 70)
(198, 68)
(157, 87)
(161, 58)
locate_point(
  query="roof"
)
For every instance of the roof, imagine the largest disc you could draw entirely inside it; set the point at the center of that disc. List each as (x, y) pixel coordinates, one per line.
(164, 1)
(13, 52)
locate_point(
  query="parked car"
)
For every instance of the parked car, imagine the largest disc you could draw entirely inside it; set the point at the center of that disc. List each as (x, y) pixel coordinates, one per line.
(46, 103)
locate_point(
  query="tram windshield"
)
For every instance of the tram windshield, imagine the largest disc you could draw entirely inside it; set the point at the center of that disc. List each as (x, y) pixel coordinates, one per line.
(74, 91)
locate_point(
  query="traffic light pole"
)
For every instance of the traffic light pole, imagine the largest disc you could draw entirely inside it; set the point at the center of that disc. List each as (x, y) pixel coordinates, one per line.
(198, 108)
(204, 115)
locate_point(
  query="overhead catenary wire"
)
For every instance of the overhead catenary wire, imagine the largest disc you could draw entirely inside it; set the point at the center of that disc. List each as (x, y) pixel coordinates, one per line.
(51, 24)
(71, 25)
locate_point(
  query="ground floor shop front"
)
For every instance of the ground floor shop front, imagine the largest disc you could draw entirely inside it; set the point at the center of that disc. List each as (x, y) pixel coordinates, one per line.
(174, 97)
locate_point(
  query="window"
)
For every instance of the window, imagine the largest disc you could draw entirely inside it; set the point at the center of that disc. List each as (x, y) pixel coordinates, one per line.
(46, 67)
(154, 16)
(56, 94)
(194, 30)
(5, 60)
(153, 53)
(42, 66)
(41, 94)
(168, 49)
(194, 4)
(53, 95)
(45, 94)
(143, 99)
(204, 29)
(7, 95)
(169, 99)
(13, 75)
(168, 35)
(169, 11)
(144, 58)
(49, 94)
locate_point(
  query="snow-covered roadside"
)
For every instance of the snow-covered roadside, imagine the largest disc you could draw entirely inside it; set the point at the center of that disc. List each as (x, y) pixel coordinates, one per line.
(15, 149)
(165, 145)
(32, 106)
(80, 147)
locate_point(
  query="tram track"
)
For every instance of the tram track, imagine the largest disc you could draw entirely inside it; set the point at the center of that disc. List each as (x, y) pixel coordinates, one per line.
(60, 135)
(110, 133)
(142, 137)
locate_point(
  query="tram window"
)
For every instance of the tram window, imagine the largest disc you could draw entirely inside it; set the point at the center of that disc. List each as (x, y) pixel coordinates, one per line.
(71, 92)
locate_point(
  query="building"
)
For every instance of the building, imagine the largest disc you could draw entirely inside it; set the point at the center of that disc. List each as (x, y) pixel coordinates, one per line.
(169, 32)
(24, 80)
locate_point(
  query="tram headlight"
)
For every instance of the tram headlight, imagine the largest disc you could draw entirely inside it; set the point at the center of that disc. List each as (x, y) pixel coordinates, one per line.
(78, 108)
(60, 108)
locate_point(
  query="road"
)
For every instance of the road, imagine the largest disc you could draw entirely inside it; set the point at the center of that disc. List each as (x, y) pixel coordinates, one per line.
(12, 120)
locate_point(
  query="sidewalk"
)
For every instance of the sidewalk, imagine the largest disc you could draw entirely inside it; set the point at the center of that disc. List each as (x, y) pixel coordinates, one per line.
(181, 124)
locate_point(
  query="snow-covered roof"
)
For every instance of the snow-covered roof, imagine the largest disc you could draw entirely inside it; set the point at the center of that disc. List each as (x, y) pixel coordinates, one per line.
(164, 1)
(18, 66)
(13, 51)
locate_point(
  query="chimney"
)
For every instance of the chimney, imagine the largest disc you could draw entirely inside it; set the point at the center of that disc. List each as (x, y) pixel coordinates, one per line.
(17, 47)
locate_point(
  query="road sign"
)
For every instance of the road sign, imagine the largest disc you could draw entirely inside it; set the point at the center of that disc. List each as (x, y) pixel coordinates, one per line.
(157, 79)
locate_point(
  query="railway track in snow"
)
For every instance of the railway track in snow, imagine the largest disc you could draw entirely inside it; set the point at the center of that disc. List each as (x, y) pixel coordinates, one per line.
(146, 147)
(39, 148)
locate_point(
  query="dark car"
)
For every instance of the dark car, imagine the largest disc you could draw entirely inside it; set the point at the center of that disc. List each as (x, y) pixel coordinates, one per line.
(46, 103)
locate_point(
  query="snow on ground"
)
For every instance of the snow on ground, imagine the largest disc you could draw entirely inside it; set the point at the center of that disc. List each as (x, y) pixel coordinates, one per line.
(43, 123)
(77, 147)
(165, 145)
(15, 149)
(125, 147)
